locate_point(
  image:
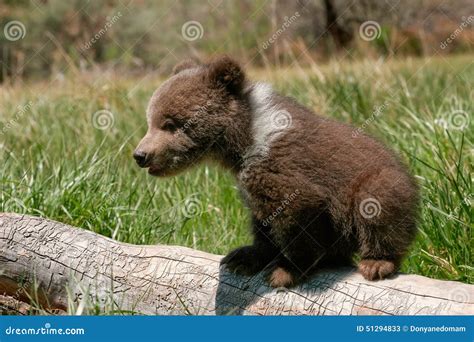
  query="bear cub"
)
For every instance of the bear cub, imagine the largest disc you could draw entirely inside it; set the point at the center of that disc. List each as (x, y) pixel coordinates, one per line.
(319, 191)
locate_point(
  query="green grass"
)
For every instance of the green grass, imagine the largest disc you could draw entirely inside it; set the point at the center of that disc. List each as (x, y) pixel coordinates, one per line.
(56, 164)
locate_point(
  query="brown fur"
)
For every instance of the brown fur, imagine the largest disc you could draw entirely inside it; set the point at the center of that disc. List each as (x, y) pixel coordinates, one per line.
(207, 111)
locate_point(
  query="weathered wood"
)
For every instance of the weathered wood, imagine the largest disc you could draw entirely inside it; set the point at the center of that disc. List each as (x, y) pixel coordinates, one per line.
(66, 264)
(12, 306)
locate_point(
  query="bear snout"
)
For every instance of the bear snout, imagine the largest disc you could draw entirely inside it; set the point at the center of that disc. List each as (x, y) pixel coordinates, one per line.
(142, 158)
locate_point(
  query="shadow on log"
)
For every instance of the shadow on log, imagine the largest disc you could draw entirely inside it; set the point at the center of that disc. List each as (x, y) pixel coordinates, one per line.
(61, 266)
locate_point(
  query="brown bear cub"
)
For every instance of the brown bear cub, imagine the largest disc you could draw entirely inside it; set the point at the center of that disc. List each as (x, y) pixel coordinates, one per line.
(318, 193)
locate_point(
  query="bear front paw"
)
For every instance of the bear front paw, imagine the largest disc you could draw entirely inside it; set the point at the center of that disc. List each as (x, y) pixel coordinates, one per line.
(244, 261)
(280, 277)
(376, 269)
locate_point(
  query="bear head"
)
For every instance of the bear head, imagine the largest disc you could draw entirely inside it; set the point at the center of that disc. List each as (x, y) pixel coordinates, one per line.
(189, 113)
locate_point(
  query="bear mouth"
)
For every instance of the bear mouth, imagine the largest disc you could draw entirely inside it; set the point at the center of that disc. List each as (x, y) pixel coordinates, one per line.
(158, 171)
(154, 170)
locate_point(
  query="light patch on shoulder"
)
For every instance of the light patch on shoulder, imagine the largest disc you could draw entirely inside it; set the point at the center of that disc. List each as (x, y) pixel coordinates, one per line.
(269, 120)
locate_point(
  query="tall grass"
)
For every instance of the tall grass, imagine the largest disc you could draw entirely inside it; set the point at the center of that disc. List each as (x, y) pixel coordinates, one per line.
(57, 164)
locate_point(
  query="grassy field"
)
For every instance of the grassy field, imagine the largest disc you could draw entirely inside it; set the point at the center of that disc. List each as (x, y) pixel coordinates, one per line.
(66, 146)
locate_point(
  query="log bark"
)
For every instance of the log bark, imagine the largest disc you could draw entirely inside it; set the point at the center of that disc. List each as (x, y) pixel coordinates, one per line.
(61, 266)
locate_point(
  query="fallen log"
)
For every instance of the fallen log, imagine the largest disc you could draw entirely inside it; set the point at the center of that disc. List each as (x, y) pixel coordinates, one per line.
(60, 266)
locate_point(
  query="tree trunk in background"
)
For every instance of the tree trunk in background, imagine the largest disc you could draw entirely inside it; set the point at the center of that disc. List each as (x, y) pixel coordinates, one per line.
(342, 35)
(67, 265)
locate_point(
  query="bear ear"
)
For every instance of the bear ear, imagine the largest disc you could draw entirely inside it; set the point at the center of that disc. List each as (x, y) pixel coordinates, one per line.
(226, 72)
(186, 64)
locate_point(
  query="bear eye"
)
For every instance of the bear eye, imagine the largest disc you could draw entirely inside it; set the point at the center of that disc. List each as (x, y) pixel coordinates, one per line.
(169, 125)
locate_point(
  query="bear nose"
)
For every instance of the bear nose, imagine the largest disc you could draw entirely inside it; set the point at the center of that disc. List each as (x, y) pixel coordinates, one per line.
(141, 158)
